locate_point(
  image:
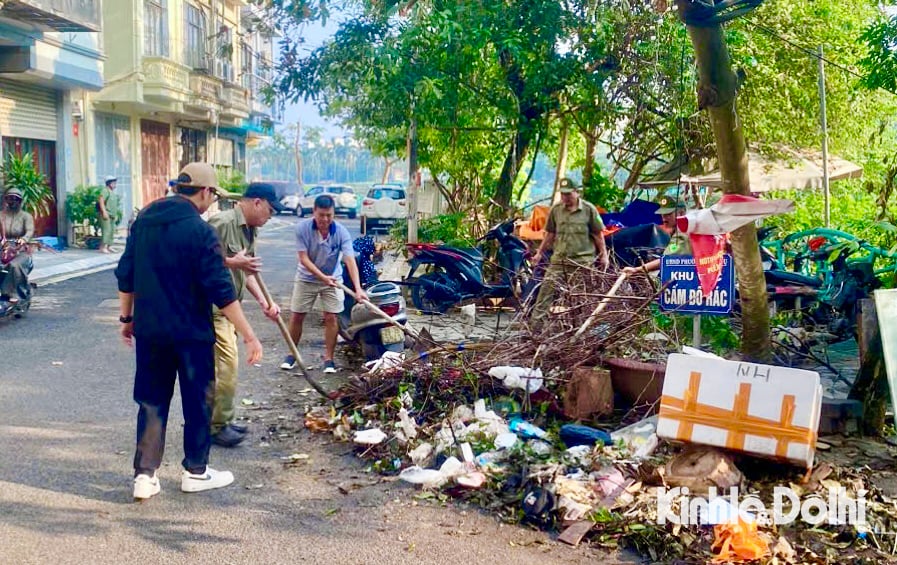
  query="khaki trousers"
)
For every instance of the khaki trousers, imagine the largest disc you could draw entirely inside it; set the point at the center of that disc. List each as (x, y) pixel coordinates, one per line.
(555, 274)
(226, 365)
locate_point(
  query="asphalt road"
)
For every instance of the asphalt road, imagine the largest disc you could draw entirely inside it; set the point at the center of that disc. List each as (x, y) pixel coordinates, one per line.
(66, 445)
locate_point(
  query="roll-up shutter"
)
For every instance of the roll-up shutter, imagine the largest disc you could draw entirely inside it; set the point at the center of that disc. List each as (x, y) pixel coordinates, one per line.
(27, 111)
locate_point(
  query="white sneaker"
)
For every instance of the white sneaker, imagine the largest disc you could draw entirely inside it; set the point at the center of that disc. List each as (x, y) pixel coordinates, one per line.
(209, 480)
(146, 486)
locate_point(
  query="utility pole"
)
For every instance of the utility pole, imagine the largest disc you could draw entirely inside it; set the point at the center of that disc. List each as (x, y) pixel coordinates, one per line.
(827, 214)
(413, 180)
(717, 89)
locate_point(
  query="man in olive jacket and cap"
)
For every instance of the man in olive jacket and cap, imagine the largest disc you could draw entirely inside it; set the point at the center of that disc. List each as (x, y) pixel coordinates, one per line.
(238, 231)
(574, 234)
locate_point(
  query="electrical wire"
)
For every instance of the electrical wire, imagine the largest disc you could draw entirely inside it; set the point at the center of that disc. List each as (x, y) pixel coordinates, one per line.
(811, 52)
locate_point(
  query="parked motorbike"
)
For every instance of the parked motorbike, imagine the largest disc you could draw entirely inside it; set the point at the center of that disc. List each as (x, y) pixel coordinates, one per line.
(829, 297)
(357, 323)
(9, 250)
(455, 274)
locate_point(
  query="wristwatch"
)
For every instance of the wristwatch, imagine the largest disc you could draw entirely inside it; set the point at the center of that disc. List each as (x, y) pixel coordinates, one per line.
(126, 319)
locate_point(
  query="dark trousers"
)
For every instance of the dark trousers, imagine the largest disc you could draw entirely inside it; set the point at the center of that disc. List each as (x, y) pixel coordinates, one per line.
(158, 366)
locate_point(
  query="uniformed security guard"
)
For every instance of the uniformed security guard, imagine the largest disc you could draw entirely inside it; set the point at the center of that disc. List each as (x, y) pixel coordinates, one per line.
(679, 244)
(574, 234)
(108, 207)
(238, 229)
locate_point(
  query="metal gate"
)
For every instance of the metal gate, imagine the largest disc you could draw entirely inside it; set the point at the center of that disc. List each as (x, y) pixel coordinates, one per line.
(155, 144)
(113, 152)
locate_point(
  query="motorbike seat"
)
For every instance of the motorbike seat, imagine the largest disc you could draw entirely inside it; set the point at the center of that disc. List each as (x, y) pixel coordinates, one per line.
(471, 252)
(779, 276)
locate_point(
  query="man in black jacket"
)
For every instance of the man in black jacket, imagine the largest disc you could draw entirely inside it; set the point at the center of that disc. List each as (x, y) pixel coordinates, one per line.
(170, 274)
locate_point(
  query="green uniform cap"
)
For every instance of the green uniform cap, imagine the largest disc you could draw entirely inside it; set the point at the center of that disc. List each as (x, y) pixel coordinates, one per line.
(668, 204)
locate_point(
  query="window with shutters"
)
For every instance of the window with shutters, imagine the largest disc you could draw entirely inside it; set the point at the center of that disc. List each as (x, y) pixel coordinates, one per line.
(155, 28)
(195, 35)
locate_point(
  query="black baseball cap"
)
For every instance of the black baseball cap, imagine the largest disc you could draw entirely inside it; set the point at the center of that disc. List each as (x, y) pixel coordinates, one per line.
(265, 192)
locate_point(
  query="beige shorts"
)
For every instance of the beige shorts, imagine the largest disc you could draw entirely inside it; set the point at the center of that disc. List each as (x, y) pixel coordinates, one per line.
(305, 293)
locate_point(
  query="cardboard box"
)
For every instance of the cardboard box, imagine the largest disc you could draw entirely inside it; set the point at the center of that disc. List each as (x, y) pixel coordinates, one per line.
(756, 409)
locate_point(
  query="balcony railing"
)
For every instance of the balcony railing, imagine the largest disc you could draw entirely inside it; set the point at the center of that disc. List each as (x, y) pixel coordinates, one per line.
(58, 15)
(236, 99)
(165, 75)
(206, 86)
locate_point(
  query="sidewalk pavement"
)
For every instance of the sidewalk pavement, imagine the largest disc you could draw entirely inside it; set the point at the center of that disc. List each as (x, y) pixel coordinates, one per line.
(52, 267)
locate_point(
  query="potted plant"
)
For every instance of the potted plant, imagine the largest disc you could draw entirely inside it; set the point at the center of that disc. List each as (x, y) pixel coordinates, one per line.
(82, 211)
(20, 172)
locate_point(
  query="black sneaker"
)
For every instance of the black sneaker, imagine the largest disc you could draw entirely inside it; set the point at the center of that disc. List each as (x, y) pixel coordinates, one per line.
(289, 363)
(228, 437)
(239, 428)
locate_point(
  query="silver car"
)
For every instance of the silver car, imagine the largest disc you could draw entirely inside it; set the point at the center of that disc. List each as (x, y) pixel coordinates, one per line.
(343, 196)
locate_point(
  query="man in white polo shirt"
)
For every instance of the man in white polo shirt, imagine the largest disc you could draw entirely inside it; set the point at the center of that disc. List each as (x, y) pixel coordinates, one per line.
(322, 244)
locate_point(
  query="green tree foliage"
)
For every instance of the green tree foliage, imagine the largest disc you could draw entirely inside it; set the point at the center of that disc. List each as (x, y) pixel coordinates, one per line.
(322, 160)
(480, 78)
(489, 82)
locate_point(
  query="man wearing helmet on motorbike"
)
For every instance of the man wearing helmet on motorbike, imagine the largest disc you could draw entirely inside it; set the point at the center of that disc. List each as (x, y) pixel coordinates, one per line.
(16, 225)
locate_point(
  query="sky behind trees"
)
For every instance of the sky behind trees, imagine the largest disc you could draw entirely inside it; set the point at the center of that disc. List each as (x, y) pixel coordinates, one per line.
(307, 112)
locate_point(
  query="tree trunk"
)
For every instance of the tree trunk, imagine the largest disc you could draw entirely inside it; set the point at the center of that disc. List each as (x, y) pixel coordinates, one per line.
(513, 160)
(387, 168)
(588, 167)
(871, 385)
(561, 170)
(716, 92)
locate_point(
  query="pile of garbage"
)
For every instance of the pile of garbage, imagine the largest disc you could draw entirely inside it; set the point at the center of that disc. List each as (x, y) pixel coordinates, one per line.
(574, 335)
(502, 440)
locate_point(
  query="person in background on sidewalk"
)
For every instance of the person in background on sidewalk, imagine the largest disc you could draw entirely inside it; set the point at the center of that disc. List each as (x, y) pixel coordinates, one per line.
(108, 207)
(574, 234)
(322, 244)
(170, 275)
(237, 229)
(16, 225)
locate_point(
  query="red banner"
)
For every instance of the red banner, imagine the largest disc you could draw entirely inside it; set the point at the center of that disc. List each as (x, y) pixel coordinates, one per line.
(708, 251)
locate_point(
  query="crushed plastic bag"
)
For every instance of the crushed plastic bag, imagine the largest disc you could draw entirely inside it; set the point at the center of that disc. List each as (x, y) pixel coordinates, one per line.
(372, 436)
(529, 380)
(406, 429)
(388, 360)
(420, 454)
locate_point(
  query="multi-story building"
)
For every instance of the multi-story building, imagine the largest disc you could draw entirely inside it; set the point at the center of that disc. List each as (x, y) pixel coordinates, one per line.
(183, 83)
(50, 52)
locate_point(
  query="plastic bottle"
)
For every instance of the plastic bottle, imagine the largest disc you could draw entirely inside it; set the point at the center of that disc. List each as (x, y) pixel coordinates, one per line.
(526, 430)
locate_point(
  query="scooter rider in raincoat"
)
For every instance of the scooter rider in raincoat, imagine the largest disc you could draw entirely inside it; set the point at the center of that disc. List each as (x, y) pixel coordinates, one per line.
(16, 226)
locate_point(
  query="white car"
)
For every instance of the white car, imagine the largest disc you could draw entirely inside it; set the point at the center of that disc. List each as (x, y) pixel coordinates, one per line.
(286, 191)
(343, 196)
(383, 206)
